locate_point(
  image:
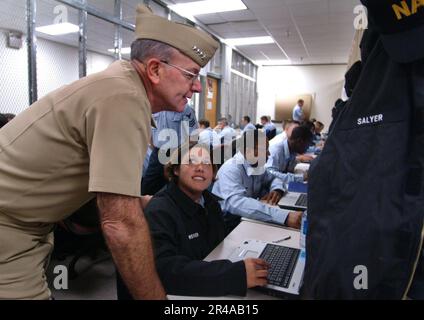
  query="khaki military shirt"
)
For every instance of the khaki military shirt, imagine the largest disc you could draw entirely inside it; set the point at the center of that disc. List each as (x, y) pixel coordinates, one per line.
(89, 136)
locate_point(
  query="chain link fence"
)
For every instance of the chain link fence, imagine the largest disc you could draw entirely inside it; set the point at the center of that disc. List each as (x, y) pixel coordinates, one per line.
(13, 56)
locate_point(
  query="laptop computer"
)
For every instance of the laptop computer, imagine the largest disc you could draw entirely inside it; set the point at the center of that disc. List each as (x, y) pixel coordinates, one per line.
(294, 201)
(287, 265)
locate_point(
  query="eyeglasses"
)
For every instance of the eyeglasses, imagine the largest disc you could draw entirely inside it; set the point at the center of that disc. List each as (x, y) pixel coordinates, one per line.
(188, 74)
(197, 161)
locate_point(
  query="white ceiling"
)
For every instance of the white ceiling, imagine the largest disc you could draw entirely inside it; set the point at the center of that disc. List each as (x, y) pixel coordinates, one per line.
(305, 31)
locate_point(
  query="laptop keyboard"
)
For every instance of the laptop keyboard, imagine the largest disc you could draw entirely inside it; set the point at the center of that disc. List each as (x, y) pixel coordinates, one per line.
(283, 261)
(302, 201)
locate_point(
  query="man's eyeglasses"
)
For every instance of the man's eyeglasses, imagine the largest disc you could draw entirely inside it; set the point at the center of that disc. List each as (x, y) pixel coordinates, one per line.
(188, 74)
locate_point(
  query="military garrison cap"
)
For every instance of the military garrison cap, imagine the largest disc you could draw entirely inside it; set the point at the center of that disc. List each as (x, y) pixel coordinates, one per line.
(401, 26)
(196, 44)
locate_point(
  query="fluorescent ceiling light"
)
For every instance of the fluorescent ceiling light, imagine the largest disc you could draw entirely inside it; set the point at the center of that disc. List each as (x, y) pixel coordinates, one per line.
(273, 62)
(58, 29)
(249, 41)
(126, 50)
(189, 9)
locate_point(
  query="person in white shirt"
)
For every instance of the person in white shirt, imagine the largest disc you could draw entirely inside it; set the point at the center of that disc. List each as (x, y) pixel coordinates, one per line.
(245, 124)
(207, 135)
(298, 114)
(284, 154)
(268, 127)
(225, 132)
(248, 190)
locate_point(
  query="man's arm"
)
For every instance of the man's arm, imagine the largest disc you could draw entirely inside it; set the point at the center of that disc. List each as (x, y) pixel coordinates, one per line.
(237, 201)
(127, 235)
(285, 177)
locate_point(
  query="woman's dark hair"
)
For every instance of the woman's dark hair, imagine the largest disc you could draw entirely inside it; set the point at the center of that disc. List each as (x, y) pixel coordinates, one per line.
(179, 153)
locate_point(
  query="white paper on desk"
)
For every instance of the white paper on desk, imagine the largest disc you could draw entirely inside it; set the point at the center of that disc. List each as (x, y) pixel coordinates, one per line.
(301, 167)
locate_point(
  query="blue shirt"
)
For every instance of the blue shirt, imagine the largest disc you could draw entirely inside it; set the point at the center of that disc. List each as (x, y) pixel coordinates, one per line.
(279, 161)
(297, 113)
(249, 126)
(313, 149)
(269, 126)
(146, 160)
(240, 186)
(228, 134)
(210, 137)
(173, 127)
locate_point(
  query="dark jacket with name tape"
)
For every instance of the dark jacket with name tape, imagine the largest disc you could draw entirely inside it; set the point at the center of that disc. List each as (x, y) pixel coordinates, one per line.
(183, 234)
(366, 191)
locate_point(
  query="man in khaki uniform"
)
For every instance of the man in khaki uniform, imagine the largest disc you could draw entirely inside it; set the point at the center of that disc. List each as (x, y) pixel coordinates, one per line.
(89, 139)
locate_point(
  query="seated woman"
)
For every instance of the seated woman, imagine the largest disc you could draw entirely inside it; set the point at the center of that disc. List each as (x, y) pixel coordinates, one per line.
(186, 224)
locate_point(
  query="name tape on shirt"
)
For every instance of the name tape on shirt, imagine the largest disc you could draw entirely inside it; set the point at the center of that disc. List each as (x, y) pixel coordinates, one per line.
(370, 119)
(193, 236)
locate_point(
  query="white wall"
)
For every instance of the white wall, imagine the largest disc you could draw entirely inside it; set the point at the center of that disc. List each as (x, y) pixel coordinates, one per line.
(97, 62)
(57, 65)
(325, 83)
(13, 77)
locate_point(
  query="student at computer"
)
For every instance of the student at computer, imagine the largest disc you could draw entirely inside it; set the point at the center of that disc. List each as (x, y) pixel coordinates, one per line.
(186, 224)
(284, 153)
(244, 185)
(288, 127)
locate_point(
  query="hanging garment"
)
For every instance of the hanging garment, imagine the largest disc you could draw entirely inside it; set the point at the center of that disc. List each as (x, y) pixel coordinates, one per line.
(366, 194)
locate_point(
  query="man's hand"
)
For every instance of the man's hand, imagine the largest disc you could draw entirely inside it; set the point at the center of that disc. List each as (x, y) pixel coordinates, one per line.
(273, 197)
(144, 201)
(127, 235)
(256, 272)
(304, 158)
(305, 176)
(294, 219)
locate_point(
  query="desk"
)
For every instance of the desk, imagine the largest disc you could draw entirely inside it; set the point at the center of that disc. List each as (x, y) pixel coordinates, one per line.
(248, 229)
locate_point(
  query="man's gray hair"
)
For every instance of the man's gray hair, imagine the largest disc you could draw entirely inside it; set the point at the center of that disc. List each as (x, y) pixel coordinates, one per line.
(142, 49)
